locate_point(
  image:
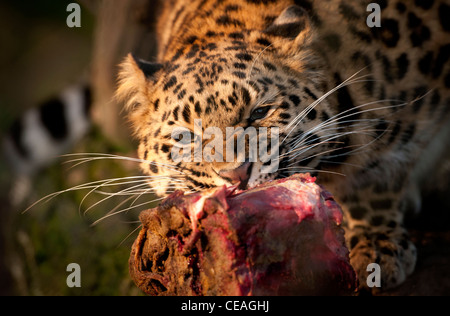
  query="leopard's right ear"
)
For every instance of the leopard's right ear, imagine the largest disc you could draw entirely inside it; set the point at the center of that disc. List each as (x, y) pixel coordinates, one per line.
(135, 76)
(149, 69)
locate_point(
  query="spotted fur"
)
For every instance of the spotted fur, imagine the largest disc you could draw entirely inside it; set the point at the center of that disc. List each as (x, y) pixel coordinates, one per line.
(363, 109)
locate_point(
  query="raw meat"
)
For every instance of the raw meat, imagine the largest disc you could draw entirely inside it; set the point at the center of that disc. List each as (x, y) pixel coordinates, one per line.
(280, 238)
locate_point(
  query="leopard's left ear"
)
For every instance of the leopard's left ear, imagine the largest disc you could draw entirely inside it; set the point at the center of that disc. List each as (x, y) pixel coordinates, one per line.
(292, 27)
(149, 69)
(135, 76)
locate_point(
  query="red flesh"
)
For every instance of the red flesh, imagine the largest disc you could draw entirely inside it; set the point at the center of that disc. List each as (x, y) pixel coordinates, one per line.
(280, 238)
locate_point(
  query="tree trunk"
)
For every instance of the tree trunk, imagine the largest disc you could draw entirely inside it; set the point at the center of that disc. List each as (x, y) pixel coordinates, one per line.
(123, 26)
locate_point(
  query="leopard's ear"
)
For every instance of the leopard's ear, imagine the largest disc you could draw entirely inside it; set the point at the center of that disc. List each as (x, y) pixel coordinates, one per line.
(135, 76)
(292, 35)
(148, 68)
(292, 27)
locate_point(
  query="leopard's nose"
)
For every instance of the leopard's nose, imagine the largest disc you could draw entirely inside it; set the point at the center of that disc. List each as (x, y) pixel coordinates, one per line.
(240, 174)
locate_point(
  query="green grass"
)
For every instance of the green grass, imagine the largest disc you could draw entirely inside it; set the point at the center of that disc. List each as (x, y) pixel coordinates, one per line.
(44, 56)
(51, 235)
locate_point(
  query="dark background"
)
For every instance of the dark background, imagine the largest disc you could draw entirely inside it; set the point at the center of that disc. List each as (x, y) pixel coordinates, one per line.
(39, 56)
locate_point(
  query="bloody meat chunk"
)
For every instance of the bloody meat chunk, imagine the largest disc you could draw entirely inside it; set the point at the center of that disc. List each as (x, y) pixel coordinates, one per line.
(280, 238)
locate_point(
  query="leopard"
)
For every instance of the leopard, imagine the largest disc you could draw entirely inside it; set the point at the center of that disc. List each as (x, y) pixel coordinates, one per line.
(364, 108)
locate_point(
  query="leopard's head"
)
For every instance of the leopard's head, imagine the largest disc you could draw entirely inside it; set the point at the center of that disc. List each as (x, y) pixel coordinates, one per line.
(189, 110)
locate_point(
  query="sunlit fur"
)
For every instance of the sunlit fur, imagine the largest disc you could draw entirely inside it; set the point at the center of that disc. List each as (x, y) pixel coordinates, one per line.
(355, 106)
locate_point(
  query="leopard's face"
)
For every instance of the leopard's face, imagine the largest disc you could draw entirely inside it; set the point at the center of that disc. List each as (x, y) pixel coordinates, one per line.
(208, 94)
(228, 106)
(357, 105)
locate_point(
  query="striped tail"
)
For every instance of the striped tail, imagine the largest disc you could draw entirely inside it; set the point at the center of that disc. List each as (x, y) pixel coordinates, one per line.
(45, 132)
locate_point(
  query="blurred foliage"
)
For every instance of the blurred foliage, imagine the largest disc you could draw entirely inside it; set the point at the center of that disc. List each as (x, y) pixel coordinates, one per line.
(41, 56)
(46, 238)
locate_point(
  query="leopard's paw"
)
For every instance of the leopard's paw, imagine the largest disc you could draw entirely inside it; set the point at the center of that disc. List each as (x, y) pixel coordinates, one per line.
(394, 254)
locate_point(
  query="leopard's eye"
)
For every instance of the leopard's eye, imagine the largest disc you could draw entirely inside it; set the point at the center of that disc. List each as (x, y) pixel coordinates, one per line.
(259, 113)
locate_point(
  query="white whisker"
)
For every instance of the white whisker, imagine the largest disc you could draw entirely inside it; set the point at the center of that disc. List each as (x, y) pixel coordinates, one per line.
(254, 62)
(105, 199)
(330, 137)
(307, 169)
(309, 108)
(99, 184)
(79, 161)
(129, 235)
